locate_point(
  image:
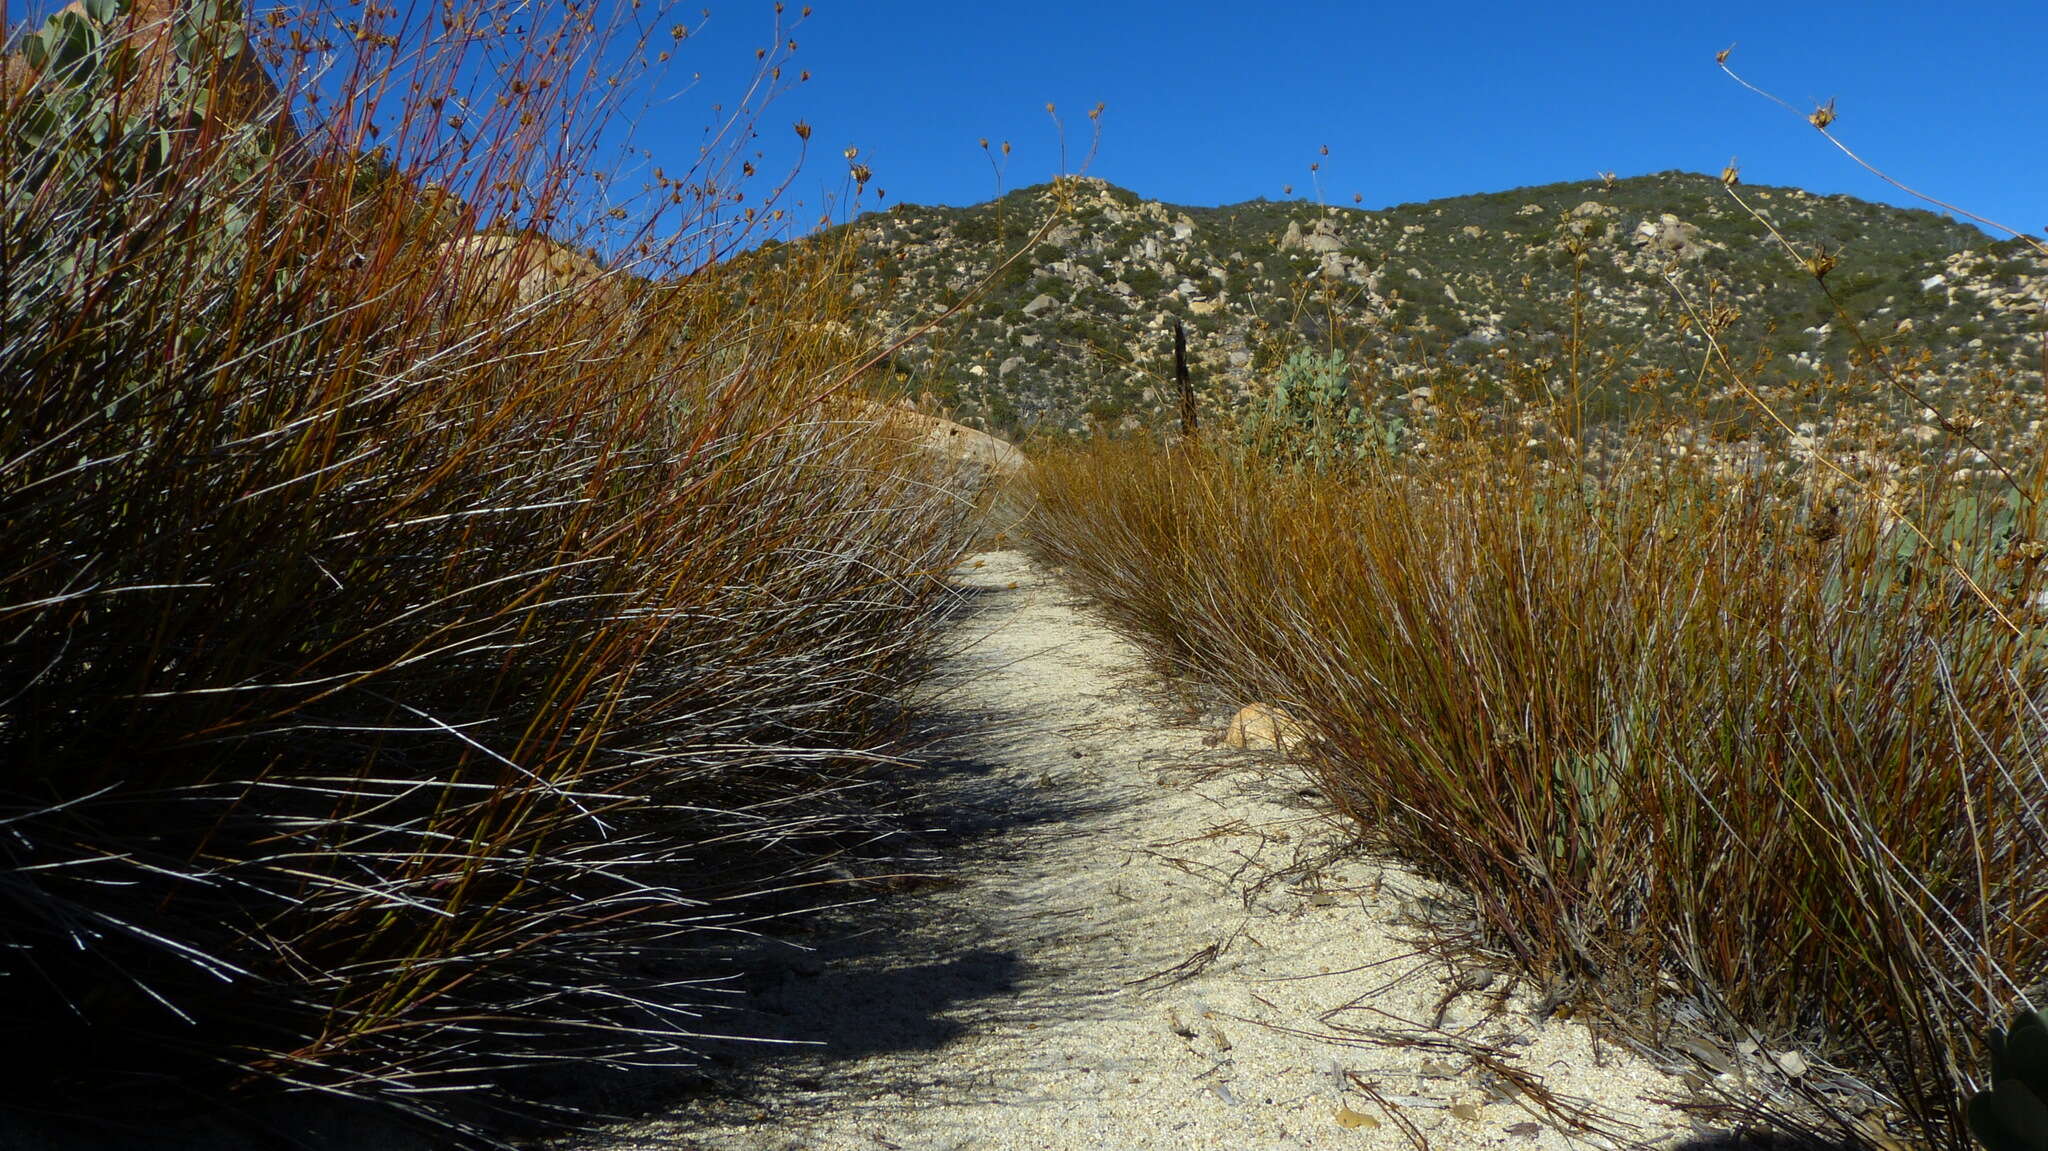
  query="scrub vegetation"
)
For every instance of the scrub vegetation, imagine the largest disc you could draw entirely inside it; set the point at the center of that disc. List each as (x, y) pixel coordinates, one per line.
(439, 616)
(1732, 741)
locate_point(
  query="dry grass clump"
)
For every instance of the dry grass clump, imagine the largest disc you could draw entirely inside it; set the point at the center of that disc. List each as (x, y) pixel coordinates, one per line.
(404, 681)
(1727, 759)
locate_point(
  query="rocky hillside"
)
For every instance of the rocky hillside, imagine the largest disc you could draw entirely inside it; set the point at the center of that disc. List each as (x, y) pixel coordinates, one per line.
(1076, 329)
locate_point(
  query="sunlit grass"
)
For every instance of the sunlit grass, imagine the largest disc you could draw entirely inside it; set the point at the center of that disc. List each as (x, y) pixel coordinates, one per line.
(1703, 750)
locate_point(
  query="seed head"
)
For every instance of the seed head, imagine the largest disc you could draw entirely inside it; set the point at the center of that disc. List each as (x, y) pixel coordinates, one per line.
(1825, 525)
(1820, 263)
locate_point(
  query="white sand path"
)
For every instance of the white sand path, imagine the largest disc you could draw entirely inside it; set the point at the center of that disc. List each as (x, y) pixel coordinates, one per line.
(1150, 942)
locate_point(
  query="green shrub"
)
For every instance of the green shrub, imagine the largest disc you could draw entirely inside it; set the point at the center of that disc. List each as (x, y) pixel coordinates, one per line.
(1003, 415)
(1309, 416)
(1147, 282)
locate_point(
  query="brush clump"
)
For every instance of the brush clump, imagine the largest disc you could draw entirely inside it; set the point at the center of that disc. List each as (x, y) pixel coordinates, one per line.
(1718, 752)
(414, 669)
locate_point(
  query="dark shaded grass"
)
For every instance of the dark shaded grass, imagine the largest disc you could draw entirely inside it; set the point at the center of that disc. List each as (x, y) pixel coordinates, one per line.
(402, 679)
(1721, 764)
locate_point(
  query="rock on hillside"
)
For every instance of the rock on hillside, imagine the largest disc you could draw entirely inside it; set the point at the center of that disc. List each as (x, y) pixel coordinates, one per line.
(507, 270)
(976, 453)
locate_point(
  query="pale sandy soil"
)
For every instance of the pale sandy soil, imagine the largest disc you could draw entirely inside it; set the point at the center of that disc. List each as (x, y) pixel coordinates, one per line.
(1149, 942)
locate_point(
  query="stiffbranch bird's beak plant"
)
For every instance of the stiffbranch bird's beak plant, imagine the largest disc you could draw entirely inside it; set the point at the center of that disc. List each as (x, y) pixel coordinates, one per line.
(414, 668)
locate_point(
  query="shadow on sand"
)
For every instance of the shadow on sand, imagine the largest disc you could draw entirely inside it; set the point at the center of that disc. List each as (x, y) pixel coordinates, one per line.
(888, 969)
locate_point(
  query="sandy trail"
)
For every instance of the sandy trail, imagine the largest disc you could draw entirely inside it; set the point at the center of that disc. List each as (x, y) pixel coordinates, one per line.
(1149, 942)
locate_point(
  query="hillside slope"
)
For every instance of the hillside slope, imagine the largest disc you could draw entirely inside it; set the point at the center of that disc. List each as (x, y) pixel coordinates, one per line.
(1076, 329)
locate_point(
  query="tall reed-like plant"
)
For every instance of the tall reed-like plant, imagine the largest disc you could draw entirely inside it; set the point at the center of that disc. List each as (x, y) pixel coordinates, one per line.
(412, 665)
(1697, 745)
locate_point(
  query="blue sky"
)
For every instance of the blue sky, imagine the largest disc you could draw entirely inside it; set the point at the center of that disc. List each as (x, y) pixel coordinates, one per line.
(1209, 103)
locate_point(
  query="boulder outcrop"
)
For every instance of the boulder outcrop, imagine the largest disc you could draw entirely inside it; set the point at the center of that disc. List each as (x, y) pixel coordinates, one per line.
(974, 455)
(521, 269)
